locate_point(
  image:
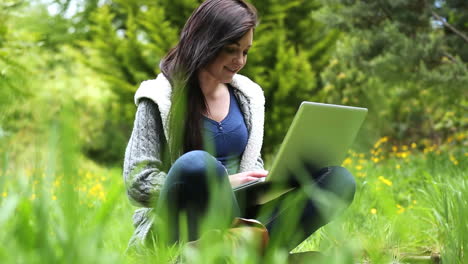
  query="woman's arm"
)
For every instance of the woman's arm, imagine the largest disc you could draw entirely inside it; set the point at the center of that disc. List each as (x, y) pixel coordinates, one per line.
(143, 170)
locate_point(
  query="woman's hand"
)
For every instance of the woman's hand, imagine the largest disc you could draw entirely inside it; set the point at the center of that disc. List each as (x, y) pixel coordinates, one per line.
(243, 177)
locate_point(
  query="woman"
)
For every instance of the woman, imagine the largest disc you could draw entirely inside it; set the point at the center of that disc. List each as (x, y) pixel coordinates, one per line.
(198, 132)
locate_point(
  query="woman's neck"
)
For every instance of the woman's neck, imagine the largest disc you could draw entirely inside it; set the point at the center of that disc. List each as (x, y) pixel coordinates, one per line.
(211, 88)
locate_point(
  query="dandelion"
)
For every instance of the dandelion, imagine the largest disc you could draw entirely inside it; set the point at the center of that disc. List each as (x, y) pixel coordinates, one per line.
(358, 167)
(347, 161)
(375, 160)
(401, 209)
(394, 148)
(453, 159)
(54, 197)
(460, 136)
(413, 145)
(56, 183)
(4, 194)
(361, 174)
(403, 155)
(397, 166)
(102, 196)
(373, 211)
(385, 181)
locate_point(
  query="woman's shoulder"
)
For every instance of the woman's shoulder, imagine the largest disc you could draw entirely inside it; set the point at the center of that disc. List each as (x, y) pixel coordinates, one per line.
(248, 87)
(157, 90)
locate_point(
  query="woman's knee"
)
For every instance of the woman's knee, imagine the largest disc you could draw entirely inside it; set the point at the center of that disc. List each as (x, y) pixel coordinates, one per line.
(194, 166)
(341, 182)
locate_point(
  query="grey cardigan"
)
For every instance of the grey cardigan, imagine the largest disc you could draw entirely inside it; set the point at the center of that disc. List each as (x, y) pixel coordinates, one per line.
(144, 172)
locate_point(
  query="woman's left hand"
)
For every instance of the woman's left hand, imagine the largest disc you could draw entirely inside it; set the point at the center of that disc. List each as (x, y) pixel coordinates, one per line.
(243, 177)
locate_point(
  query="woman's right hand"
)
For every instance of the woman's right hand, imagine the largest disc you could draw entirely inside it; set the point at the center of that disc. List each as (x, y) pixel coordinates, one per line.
(243, 177)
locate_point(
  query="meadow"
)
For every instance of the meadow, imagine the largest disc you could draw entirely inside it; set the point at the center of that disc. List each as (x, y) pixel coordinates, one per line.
(69, 71)
(411, 206)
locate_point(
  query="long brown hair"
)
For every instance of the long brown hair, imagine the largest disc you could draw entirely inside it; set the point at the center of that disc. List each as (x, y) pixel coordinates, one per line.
(214, 24)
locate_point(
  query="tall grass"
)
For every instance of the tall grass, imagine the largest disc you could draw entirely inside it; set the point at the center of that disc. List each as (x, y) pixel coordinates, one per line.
(58, 207)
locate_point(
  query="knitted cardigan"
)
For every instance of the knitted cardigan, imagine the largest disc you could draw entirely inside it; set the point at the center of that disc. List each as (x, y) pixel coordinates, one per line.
(144, 172)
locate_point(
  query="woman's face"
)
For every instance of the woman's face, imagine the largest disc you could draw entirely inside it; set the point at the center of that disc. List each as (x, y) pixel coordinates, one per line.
(231, 59)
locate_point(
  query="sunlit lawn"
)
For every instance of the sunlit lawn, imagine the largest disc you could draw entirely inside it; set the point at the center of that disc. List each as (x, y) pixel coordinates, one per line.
(411, 203)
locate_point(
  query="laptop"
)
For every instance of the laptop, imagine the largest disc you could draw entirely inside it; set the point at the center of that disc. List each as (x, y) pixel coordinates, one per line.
(319, 135)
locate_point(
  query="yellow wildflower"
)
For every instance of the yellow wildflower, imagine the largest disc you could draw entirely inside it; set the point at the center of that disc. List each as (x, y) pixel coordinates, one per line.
(373, 211)
(328, 87)
(453, 159)
(398, 166)
(415, 202)
(102, 196)
(385, 181)
(341, 76)
(54, 197)
(334, 62)
(347, 161)
(33, 197)
(56, 183)
(413, 145)
(404, 148)
(375, 160)
(403, 155)
(401, 209)
(4, 194)
(394, 148)
(361, 174)
(358, 167)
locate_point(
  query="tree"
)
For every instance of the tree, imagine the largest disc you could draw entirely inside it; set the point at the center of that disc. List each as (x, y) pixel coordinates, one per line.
(402, 62)
(127, 39)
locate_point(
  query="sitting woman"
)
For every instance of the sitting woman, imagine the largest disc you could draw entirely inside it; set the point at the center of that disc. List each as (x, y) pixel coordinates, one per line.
(198, 133)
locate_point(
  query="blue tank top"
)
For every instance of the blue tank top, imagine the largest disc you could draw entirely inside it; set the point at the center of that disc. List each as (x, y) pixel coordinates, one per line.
(226, 140)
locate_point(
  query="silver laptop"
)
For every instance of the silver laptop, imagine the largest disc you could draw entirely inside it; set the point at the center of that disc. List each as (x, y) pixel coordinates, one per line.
(320, 135)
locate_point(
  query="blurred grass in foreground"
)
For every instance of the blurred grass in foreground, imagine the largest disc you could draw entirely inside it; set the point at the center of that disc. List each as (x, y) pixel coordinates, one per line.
(57, 207)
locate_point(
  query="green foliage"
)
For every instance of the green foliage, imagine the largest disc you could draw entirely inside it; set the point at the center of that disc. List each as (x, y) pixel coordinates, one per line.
(11, 79)
(398, 61)
(60, 207)
(129, 38)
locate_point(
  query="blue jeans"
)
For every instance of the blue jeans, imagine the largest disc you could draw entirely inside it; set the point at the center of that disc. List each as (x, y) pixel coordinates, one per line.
(197, 186)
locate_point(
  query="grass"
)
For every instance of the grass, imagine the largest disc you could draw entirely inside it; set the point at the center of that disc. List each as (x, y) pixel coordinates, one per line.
(56, 207)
